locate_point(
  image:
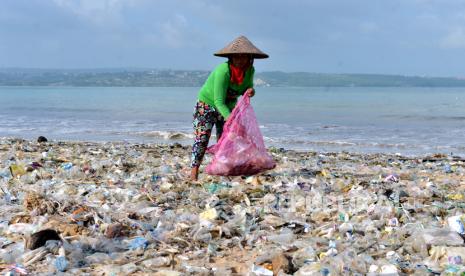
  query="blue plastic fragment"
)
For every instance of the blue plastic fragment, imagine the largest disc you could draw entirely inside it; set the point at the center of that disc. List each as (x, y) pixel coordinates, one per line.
(138, 242)
(61, 263)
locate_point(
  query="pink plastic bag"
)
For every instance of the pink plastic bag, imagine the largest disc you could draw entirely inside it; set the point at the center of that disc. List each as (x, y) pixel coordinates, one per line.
(240, 150)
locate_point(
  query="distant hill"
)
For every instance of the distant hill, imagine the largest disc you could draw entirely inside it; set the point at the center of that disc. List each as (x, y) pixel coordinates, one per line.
(101, 77)
(195, 78)
(315, 79)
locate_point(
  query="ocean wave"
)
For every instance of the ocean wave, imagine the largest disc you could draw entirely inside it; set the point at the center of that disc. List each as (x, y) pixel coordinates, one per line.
(342, 144)
(55, 109)
(167, 135)
(424, 118)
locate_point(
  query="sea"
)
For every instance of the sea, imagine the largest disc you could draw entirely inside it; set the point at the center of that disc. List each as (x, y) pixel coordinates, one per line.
(403, 120)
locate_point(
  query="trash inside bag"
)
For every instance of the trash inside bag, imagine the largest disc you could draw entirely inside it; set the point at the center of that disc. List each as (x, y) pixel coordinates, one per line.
(240, 150)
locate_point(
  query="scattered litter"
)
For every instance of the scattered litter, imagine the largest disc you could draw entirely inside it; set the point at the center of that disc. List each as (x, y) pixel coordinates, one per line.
(121, 208)
(457, 224)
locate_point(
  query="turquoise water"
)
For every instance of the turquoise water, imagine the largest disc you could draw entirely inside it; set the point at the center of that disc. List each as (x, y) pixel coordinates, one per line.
(397, 120)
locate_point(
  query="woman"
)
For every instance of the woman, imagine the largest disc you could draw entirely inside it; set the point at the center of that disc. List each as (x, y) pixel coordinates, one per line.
(219, 94)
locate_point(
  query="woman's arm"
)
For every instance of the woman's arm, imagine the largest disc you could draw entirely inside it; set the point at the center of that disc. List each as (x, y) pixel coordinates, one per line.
(251, 91)
(220, 86)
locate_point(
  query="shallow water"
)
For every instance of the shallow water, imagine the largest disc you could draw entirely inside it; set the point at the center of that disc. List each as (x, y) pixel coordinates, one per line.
(401, 120)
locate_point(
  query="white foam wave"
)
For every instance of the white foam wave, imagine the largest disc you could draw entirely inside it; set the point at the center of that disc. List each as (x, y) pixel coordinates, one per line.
(167, 135)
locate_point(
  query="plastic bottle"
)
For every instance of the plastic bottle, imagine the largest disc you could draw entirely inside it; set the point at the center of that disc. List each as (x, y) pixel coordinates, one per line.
(419, 246)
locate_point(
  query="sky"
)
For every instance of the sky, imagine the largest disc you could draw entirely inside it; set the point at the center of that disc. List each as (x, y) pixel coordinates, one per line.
(401, 37)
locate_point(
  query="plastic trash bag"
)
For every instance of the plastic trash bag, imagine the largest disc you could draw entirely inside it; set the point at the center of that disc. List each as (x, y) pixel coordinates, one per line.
(240, 150)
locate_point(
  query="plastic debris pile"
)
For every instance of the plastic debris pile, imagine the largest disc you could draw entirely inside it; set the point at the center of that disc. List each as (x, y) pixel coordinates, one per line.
(120, 209)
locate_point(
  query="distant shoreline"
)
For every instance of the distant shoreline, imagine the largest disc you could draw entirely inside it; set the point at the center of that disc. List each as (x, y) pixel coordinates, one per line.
(196, 78)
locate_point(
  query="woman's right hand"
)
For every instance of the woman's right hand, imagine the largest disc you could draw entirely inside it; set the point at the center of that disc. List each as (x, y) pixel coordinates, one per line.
(250, 92)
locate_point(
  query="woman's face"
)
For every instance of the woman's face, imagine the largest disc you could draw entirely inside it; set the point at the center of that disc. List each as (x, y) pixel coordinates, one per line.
(240, 60)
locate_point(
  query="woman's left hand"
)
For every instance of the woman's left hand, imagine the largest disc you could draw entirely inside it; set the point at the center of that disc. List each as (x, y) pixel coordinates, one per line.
(250, 92)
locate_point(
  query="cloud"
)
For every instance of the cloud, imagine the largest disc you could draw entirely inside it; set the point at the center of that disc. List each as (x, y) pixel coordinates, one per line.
(173, 32)
(184, 33)
(454, 39)
(90, 7)
(98, 12)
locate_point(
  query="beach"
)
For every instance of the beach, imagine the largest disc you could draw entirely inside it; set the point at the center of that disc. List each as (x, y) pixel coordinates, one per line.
(351, 138)
(125, 208)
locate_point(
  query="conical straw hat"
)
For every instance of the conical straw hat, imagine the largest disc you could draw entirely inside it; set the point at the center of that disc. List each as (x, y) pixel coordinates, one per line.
(241, 45)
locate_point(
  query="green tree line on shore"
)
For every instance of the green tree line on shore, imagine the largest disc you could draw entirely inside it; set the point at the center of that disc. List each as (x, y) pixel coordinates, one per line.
(195, 78)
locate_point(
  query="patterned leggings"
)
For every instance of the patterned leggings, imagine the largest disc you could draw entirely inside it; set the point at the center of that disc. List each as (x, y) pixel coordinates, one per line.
(205, 117)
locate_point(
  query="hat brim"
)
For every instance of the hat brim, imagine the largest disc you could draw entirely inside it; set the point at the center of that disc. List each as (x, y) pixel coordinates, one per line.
(254, 55)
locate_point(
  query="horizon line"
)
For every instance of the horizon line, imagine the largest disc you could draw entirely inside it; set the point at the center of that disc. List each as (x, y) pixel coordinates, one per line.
(171, 69)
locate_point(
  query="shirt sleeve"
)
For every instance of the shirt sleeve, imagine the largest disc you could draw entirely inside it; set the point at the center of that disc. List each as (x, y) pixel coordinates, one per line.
(248, 81)
(220, 86)
(251, 77)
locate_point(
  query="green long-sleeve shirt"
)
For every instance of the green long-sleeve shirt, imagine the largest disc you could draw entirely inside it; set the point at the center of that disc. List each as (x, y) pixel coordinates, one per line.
(215, 90)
